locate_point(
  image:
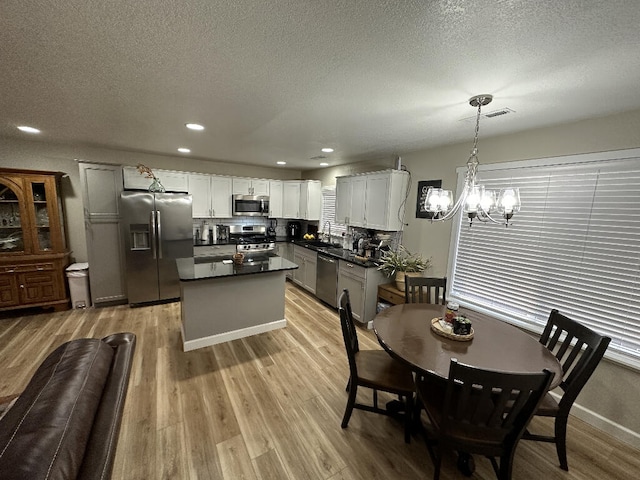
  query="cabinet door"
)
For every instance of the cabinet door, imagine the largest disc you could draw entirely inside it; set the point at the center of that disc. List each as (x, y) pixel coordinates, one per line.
(15, 233)
(310, 200)
(101, 188)
(259, 186)
(221, 196)
(173, 181)
(299, 275)
(343, 200)
(106, 262)
(9, 295)
(241, 186)
(37, 287)
(358, 199)
(275, 199)
(377, 201)
(355, 285)
(291, 201)
(46, 223)
(200, 190)
(310, 269)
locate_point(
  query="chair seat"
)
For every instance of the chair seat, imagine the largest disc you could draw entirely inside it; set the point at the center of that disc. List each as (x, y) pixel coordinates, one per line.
(376, 369)
(549, 407)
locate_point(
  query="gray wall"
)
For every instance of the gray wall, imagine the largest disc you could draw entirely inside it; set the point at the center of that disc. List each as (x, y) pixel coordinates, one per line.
(42, 155)
(614, 390)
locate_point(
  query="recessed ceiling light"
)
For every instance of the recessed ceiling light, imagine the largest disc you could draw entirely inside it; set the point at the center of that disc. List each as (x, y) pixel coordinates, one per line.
(324, 164)
(27, 129)
(194, 126)
(184, 150)
(281, 163)
(327, 150)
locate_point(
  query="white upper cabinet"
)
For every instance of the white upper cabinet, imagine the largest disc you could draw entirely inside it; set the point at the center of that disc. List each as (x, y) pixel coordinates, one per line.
(372, 200)
(302, 199)
(200, 190)
(221, 196)
(310, 199)
(250, 186)
(211, 195)
(171, 180)
(291, 199)
(276, 197)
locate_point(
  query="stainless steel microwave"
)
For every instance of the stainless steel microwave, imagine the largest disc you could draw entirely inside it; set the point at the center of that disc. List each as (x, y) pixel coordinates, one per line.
(251, 205)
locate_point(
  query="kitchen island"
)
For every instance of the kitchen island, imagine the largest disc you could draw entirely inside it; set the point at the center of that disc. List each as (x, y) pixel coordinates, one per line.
(222, 301)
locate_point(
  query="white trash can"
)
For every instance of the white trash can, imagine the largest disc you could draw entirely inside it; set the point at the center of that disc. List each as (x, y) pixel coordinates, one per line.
(78, 278)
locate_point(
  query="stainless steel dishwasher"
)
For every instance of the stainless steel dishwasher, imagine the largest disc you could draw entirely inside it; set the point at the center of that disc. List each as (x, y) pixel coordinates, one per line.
(327, 280)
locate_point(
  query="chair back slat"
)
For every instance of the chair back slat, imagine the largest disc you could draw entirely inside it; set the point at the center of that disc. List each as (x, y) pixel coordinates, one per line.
(425, 289)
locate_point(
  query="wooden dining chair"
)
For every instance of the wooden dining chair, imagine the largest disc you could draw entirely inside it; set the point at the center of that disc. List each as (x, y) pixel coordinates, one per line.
(579, 349)
(480, 411)
(374, 369)
(425, 289)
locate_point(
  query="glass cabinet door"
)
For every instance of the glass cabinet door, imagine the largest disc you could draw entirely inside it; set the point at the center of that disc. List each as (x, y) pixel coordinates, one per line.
(42, 238)
(11, 235)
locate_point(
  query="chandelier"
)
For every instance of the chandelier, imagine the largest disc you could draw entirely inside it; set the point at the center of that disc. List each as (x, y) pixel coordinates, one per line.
(475, 200)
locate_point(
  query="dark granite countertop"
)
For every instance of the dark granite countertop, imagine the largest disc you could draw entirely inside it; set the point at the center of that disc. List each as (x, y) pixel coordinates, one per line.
(336, 252)
(191, 268)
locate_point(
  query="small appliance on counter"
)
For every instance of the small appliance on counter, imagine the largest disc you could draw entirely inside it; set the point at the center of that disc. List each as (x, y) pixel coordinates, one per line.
(222, 233)
(294, 230)
(271, 230)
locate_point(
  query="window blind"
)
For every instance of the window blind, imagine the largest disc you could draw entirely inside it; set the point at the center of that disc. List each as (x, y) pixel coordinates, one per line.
(574, 246)
(328, 213)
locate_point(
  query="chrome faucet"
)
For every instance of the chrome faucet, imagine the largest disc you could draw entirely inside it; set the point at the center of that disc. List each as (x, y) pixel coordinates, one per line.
(323, 230)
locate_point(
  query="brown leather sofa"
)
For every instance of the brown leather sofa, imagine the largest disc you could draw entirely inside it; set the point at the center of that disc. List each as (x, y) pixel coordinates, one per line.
(65, 424)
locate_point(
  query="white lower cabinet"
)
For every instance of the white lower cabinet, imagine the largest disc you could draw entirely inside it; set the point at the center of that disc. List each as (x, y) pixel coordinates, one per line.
(307, 261)
(286, 251)
(362, 284)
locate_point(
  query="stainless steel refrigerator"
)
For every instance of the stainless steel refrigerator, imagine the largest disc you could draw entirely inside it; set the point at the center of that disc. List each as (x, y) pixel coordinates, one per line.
(157, 229)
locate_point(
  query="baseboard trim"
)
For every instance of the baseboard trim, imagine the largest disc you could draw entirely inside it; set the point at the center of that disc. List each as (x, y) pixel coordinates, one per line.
(596, 420)
(228, 336)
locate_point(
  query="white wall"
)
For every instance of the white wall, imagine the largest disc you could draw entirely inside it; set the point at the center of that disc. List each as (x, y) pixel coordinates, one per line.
(610, 399)
(41, 155)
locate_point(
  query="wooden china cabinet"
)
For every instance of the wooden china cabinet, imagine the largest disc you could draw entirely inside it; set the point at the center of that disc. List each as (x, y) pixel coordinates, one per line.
(33, 252)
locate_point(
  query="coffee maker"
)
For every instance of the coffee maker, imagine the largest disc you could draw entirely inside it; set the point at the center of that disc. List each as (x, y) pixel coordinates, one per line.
(293, 230)
(222, 233)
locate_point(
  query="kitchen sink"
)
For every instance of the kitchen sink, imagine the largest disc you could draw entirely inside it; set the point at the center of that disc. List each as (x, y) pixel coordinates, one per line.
(319, 243)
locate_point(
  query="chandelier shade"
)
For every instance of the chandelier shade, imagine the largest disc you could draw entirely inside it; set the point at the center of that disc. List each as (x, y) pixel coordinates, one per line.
(475, 201)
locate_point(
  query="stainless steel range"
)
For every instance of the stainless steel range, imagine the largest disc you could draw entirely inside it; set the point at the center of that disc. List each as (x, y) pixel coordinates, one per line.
(251, 239)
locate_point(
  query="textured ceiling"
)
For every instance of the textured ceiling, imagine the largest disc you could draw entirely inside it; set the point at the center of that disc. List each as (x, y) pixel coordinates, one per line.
(280, 79)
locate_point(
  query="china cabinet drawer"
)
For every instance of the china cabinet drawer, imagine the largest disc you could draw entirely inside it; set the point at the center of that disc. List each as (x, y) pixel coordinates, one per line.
(35, 267)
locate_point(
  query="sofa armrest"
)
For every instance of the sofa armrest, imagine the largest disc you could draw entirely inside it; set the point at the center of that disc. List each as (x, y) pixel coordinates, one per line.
(98, 460)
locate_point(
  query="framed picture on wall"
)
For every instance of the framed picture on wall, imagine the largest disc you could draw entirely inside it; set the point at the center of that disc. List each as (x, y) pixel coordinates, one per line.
(423, 186)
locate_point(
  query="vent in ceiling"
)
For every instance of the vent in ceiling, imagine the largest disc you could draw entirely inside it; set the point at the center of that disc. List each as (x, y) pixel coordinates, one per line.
(318, 157)
(495, 113)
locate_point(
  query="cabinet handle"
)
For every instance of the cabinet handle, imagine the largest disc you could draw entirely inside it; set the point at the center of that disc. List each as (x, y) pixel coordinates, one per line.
(21, 286)
(10, 271)
(349, 265)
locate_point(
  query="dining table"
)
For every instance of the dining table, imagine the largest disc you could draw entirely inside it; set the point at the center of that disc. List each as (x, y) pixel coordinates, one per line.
(405, 332)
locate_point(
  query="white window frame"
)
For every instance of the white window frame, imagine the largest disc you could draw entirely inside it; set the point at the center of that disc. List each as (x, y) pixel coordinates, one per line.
(508, 259)
(328, 213)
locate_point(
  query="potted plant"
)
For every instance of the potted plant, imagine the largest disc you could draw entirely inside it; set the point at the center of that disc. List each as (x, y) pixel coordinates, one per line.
(400, 262)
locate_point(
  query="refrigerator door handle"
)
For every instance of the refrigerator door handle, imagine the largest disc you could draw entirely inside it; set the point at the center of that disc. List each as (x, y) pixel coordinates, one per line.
(159, 233)
(152, 233)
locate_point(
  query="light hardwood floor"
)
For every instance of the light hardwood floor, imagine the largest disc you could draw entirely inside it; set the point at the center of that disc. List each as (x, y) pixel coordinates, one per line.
(268, 406)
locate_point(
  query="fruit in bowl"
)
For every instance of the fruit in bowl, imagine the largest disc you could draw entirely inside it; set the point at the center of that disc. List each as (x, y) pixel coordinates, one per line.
(308, 236)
